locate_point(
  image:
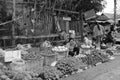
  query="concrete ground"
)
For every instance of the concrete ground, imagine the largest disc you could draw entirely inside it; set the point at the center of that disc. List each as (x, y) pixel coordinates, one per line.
(106, 71)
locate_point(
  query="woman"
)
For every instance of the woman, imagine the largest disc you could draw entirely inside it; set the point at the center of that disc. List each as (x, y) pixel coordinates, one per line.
(98, 32)
(73, 48)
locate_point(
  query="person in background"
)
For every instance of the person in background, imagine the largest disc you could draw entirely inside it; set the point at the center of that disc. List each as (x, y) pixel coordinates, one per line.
(98, 33)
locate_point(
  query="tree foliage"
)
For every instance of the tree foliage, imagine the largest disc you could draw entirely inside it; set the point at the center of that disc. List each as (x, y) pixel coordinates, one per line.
(74, 5)
(3, 12)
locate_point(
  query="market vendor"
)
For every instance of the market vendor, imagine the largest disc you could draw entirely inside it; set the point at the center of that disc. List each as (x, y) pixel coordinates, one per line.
(73, 48)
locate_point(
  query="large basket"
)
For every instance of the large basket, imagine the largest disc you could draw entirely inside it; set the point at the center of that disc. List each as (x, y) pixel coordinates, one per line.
(18, 65)
(49, 59)
(34, 65)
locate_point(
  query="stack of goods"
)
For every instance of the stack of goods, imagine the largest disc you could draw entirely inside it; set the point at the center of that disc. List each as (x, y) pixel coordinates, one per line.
(70, 65)
(94, 58)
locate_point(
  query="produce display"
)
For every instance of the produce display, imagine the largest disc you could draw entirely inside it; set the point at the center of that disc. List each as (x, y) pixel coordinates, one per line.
(60, 49)
(69, 65)
(66, 66)
(50, 73)
(94, 58)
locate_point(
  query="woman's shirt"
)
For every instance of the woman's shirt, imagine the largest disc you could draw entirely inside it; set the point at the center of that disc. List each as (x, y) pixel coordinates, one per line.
(98, 32)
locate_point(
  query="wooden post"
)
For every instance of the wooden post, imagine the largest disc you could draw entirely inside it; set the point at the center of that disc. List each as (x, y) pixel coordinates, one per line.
(13, 26)
(115, 3)
(67, 19)
(67, 26)
(81, 26)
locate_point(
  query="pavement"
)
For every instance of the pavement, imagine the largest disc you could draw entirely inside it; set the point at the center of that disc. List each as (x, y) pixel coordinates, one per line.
(106, 71)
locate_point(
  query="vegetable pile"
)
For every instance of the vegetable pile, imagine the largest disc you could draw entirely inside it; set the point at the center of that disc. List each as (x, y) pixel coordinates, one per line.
(69, 65)
(50, 73)
(94, 58)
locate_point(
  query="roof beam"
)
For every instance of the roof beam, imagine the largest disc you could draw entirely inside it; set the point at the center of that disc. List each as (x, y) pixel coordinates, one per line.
(61, 10)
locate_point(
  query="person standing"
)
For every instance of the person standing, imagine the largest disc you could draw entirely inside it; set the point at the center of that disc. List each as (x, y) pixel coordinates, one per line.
(98, 32)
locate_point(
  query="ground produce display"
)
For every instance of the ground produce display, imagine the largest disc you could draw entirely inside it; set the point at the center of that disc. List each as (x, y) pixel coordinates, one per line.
(66, 66)
(50, 73)
(94, 58)
(69, 65)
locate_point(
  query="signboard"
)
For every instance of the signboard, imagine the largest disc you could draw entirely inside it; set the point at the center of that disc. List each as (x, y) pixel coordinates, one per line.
(11, 55)
(67, 18)
(90, 14)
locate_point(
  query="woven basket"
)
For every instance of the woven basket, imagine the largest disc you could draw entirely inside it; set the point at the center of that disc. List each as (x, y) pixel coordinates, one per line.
(18, 65)
(35, 65)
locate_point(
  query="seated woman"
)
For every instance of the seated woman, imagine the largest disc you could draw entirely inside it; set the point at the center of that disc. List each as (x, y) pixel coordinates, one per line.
(73, 48)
